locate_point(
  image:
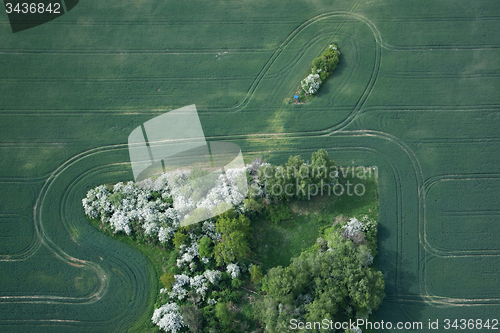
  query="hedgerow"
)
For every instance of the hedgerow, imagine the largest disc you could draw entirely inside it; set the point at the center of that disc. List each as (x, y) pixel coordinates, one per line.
(322, 68)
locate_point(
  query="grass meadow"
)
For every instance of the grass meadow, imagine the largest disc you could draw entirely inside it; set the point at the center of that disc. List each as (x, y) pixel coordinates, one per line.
(275, 244)
(415, 94)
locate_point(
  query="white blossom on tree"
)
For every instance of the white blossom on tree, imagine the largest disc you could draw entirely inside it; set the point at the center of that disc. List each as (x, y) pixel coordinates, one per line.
(177, 287)
(352, 227)
(234, 270)
(150, 203)
(128, 202)
(199, 284)
(209, 229)
(311, 83)
(168, 318)
(192, 266)
(368, 223)
(212, 276)
(120, 222)
(187, 254)
(165, 234)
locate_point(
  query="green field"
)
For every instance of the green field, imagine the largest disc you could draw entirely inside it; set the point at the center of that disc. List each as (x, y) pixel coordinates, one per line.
(415, 94)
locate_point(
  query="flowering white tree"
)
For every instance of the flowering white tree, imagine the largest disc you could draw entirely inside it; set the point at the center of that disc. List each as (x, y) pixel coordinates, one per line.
(150, 203)
(128, 202)
(177, 287)
(368, 224)
(212, 276)
(120, 222)
(209, 229)
(97, 203)
(188, 254)
(199, 284)
(311, 83)
(234, 270)
(168, 318)
(353, 227)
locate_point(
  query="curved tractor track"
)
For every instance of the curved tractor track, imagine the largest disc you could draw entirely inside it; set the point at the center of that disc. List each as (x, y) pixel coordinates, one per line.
(409, 191)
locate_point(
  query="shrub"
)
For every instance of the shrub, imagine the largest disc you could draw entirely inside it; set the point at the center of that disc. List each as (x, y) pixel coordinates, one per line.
(167, 280)
(192, 317)
(179, 239)
(224, 315)
(323, 67)
(280, 213)
(256, 274)
(236, 283)
(205, 247)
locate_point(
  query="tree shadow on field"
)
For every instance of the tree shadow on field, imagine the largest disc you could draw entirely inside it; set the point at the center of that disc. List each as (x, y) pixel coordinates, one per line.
(327, 88)
(383, 234)
(403, 302)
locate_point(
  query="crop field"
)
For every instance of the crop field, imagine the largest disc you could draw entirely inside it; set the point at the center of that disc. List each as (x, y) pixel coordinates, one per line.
(416, 94)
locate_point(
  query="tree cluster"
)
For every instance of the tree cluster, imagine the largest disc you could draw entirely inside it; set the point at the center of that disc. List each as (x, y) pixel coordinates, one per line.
(295, 178)
(145, 210)
(322, 68)
(326, 63)
(209, 263)
(211, 266)
(332, 280)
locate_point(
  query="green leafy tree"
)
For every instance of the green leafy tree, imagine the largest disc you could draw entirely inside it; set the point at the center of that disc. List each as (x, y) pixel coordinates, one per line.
(274, 179)
(324, 306)
(320, 284)
(224, 315)
(252, 206)
(279, 284)
(320, 164)
(293, 166)
(327, 62)
(364, 255)
(368, 291)
(256, 274)
(179, 239)
(167, 280)
(319, 63)
(205, 247)
(280, 213)
(116, 198)
(235, 234)
(236, 283)
(192, 317)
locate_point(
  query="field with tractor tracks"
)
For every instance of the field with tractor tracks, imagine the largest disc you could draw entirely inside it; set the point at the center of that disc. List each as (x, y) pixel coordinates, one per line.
(415, 94)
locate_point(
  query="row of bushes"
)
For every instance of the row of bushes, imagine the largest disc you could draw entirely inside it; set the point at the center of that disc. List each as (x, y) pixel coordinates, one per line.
(323, 67)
